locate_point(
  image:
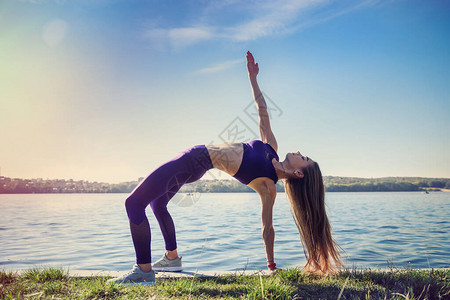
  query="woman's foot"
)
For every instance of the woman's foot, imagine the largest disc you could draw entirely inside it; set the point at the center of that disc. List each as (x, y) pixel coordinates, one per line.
(135, 277)
(164, 264)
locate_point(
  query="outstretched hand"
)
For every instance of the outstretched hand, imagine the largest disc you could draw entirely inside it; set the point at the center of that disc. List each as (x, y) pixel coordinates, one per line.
(252, 67)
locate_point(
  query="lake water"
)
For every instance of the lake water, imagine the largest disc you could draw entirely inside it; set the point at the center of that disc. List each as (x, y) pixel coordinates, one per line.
(221, 232)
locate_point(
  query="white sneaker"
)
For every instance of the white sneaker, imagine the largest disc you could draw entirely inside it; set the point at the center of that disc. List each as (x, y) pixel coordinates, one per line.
(168, 265)
(135, 277)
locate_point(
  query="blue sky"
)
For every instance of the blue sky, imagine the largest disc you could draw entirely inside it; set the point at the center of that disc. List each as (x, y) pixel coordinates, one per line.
(107, 90)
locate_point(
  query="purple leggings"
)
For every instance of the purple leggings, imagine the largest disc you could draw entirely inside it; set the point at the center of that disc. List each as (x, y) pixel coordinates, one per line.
(157, 189)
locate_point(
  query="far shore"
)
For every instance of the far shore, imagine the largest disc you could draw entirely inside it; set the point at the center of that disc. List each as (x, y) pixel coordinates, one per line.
(433, 190)
(332, 184)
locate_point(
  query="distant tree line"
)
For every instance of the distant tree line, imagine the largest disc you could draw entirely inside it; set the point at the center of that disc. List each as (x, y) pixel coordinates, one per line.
(385, 184)
(374, 187)
(332, 184)
(45, 186)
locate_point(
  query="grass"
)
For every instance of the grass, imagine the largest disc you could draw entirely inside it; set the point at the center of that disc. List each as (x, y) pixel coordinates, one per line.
(50, 283)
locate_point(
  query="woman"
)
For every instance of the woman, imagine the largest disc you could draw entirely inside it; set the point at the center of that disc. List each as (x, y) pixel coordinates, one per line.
(255, 164)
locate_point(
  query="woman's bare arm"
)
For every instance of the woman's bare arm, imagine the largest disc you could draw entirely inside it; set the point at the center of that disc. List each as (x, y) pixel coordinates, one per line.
(265, 130)
(267, 193)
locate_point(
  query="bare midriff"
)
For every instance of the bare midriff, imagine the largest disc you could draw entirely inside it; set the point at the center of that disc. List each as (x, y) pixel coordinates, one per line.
(226, 157)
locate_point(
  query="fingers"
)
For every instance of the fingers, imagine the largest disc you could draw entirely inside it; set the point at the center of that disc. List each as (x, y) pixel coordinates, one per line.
(250, 57)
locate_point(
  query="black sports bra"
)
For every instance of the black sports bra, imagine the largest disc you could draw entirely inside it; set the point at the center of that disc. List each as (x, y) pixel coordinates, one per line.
(257, 162)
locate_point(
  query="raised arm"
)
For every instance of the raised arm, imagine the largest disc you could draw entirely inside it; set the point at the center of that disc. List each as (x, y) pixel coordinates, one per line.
(265, 130)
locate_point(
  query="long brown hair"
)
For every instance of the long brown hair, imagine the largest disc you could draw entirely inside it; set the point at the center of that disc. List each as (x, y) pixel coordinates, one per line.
(307, 200)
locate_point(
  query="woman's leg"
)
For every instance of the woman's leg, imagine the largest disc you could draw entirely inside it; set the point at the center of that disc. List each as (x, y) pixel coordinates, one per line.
(157, 189)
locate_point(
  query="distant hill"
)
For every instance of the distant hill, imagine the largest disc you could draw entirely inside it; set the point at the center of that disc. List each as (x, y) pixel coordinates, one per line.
(332, 184)
(354, 184)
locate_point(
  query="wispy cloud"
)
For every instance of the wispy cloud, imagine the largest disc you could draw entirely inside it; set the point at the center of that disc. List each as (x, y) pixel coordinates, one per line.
(274, 17)
(331, 13)
(178, 38)
(220, 66)
(43, 1)
(257, 19)
(73, 2)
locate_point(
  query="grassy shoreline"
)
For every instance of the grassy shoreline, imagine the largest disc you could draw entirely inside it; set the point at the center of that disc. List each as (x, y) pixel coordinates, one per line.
(395, 283)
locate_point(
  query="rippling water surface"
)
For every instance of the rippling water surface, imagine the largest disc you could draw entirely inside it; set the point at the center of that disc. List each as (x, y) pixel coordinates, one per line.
(222, 232)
